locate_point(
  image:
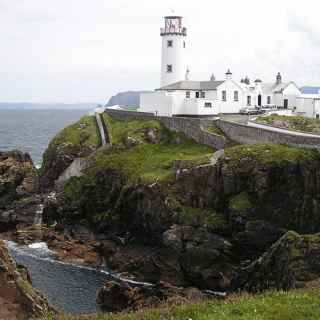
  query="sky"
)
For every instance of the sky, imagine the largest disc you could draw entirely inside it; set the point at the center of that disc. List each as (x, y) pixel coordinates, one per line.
(87, 50)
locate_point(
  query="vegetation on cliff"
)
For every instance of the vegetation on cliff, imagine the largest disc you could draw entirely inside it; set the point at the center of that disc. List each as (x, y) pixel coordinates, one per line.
(144, 151)
(77, 140)
(267, 153)
(298, 123)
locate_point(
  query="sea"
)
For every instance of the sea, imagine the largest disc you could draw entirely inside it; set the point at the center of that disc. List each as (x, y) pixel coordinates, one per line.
(31, 129)
(69, 288)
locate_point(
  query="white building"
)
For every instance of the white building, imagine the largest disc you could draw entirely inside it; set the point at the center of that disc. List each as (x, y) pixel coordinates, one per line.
(178, 96)
(308, 104)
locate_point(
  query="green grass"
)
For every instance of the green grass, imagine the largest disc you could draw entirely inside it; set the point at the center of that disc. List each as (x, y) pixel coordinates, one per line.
(119, 130)
(269, 153)
(152, 162)
(147, 162)
(240, 202)
(292, 122)
(295, 305)
(83, 133)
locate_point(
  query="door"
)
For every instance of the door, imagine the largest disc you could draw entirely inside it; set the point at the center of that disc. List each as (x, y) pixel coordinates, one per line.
(285, 103)
(259, 100)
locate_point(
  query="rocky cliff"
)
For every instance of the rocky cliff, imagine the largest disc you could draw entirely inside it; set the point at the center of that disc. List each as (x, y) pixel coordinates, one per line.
(18, 300)
(18, 189)
(163, 211)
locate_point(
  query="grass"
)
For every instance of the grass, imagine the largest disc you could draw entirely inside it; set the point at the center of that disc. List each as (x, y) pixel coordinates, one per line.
(295, 305)
(269, 153)
(152, 162)
(148, 162)
(83, 133)
(240, 202)
(119, 130)
(298, 123)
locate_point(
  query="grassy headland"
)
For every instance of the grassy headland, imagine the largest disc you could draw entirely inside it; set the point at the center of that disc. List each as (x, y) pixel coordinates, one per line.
(298, 123)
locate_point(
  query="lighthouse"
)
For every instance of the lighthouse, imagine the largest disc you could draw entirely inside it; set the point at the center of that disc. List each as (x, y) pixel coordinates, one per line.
(173, 61)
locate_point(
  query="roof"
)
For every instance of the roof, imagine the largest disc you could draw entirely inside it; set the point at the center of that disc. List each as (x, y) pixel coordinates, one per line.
(268, 88)
(193, 85)
(310, 90)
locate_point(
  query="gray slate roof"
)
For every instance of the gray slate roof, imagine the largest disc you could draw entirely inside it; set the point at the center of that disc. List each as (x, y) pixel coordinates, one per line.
(193, 85)
(268, 88)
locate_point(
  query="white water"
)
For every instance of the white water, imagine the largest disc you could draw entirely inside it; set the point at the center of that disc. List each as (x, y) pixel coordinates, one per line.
(38, 216)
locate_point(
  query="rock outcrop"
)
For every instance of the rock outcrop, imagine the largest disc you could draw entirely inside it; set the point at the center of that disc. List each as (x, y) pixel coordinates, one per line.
(120, 296)
(18, 189)
(18, 299)
(290, 263)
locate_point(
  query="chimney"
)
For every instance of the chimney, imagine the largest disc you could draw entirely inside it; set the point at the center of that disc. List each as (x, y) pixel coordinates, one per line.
(279, 78)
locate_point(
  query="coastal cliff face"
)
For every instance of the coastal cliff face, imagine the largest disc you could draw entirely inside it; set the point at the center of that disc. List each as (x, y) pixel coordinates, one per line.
(18, 189)
(76, 141)
(163, 211)
(18, 300)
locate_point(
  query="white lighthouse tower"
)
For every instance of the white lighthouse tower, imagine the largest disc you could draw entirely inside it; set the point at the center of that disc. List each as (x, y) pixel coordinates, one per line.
(173, 62)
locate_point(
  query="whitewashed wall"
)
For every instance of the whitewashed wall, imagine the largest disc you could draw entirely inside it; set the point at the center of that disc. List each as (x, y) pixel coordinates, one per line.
(158, 102)
(230, 106)
(175, 56)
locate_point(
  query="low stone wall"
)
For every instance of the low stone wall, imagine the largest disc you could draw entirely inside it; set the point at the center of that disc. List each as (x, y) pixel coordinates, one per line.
(74, 170)
(249, 135)
(192, 127)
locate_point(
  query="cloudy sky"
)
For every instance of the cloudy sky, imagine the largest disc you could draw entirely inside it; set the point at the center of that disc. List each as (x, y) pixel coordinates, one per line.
(86, 50)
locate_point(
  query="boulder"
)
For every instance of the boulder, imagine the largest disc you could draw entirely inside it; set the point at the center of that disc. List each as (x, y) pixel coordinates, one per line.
(291, 262)
(120, 296)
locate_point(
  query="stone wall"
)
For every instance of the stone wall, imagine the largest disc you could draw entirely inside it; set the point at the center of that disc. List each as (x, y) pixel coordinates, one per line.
(249, 135)
(74, 170)
(193, 128)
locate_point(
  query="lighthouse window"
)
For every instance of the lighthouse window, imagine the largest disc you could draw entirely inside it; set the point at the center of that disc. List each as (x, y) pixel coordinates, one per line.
(236, 96)
(187, 94)
(184, 44)
(269, 100)
(197, 94)
(249, 100)
(169, 68)
(224, 95)
(170, 43)
(203, 94)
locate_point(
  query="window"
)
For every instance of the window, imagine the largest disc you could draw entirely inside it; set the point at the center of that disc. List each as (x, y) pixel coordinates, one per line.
(236, 96)
(197, 94)
(169, 68)
(208, 105)
(188, 94)
(203, 94)
(249, 100)
(224, 95)
(170, 43)
(269, 100)
(184, 44)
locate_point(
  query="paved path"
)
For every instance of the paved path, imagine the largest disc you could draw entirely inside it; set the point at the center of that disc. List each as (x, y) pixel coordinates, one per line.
(101, 129)
(274, 129)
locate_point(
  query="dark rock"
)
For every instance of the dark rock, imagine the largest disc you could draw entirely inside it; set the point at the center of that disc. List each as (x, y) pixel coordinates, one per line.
(257, 237)
(120, 296)
(290, 263)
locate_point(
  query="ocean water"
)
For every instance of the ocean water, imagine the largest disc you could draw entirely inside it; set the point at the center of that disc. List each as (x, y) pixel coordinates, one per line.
(30, 130)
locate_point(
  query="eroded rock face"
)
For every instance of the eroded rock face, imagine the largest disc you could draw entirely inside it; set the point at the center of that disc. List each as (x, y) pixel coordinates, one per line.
(57, 159)
(18, 176)
(18, 300)
(120, 296)
(18, 189)
(290, 263)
